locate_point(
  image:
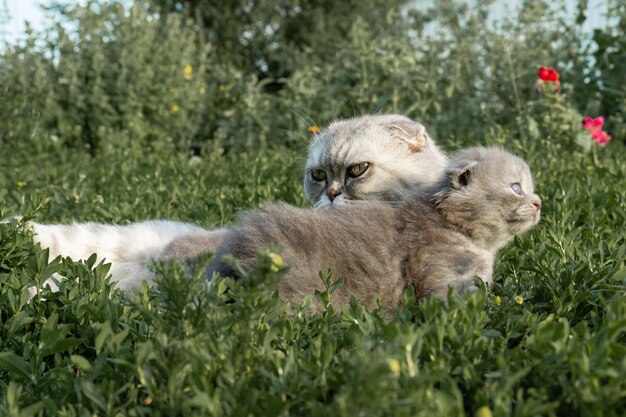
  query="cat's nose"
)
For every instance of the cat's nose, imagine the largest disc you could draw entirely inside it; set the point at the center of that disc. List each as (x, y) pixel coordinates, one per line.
(333, 192)
(537, 203)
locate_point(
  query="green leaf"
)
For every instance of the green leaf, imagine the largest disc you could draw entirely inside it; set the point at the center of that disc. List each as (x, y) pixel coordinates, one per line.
(13, 363)
(81, 362)
(31, 410)
(91, 392)
(491, 333)
(105, 332)
(61, 345)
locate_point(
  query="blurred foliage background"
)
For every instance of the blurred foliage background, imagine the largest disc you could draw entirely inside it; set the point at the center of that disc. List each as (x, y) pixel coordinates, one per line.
(160, 73)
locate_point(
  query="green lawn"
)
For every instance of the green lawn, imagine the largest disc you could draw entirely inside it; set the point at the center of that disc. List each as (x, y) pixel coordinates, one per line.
(546, 339)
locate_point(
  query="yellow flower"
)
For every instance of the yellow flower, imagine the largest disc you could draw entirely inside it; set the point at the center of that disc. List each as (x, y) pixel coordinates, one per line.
(497, 300)
(313, 129)
(519, 299)
(394, 365)
(277, 261)
(484, 411)
(21, 184)
(202, 90)
(222, 88)
(188, 72)
(174, 109)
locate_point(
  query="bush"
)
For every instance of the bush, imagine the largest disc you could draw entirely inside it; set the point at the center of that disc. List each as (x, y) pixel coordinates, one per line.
(119, 74)
(114, 76)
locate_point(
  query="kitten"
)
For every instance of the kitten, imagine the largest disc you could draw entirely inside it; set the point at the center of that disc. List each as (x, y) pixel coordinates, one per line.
(428, 243)
(380, 157)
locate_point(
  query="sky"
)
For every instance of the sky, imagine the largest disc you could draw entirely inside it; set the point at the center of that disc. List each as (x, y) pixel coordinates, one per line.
(22, 10)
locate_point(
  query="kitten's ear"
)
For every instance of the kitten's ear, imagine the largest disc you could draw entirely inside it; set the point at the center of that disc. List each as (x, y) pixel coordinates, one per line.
(460, 175)
(407, 131)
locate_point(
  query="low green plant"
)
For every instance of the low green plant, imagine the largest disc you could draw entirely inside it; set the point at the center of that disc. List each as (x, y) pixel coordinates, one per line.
(547, 338)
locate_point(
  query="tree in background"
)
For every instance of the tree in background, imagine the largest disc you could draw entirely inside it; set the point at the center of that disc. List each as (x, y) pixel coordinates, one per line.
(5, 18)
(265, 36)
(156, 73)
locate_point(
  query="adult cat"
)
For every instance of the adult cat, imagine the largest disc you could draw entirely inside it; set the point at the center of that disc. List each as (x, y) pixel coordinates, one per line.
(430, 242)
(372, 157)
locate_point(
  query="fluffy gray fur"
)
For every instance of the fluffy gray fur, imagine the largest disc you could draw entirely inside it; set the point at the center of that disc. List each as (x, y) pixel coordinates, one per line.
(428, 243)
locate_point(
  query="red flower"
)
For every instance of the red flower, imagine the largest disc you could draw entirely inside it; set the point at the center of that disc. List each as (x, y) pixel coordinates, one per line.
(548, 74)
(594, 126)
(600, 136)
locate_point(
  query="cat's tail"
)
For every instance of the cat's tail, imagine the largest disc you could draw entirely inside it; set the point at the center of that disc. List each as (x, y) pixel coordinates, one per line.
(129, 248)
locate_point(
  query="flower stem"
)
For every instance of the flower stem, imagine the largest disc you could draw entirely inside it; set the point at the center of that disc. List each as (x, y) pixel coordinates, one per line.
(594, 150)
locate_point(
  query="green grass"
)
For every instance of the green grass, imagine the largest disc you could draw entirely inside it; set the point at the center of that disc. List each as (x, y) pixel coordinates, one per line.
(181, 348)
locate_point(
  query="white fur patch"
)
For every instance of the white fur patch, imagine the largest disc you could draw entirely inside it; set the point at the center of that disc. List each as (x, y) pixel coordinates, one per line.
(128, 248)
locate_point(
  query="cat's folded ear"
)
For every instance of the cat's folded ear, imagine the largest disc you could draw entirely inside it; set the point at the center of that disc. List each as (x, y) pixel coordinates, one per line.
(407, 131)
(460, 174)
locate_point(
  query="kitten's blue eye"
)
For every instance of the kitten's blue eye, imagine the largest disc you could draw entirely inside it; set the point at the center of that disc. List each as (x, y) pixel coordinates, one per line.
(517, 188)
(318, 175)
(357, 170)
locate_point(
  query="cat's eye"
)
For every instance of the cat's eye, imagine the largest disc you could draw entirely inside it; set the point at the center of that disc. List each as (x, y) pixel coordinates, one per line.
(517, 188)
(318, 175)
(357, 170)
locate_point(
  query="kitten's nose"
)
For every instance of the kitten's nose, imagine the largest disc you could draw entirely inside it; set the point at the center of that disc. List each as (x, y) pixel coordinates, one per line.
(537, 203)
(333, 192)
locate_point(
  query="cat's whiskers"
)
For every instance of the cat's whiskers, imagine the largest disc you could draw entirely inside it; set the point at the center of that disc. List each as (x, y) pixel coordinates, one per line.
(302, 139)
(322, 203)
(391, 203)
(302, 115)
(310, 122)
(538, 183)
(354, 112)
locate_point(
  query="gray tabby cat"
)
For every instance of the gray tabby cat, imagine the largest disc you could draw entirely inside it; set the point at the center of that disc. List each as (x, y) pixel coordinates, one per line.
(428, 243)
(381, 157)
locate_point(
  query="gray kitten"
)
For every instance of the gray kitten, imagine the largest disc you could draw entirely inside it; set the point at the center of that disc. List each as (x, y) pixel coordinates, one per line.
(428, 243)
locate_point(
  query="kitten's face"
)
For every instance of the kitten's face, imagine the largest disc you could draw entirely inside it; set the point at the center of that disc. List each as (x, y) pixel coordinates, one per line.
(492, 191)
(371, 158)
